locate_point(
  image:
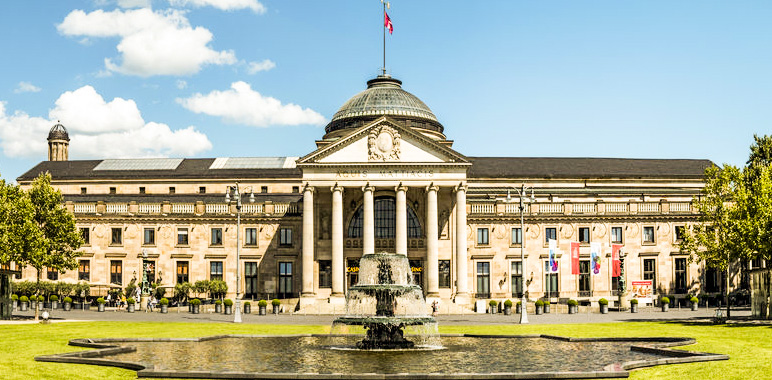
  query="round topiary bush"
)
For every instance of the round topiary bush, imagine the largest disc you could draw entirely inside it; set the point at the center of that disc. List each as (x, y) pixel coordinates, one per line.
(131, 301)
(247, 303)
(195, 302)
(633, 301)
(507, 303)
(262, 303)
(228, 302)
(275, 302)
(493, 303)
(101, 301)
(67, 300)
(539, 303)
(694, 300)
(218, 302)
(41, 299)
(603, 301)
(53, 298)
(164, 301)
(665, 300)
(546, 302)
(572, 303)
(14, 297)
(24, 299)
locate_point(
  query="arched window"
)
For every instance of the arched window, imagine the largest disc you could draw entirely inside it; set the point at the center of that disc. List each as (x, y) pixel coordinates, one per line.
(385, 209)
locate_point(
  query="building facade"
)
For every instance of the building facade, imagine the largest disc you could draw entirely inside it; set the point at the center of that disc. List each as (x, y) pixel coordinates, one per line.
(383, 178)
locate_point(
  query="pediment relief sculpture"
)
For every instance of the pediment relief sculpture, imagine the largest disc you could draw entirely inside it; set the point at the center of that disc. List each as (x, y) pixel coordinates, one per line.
(383, 144)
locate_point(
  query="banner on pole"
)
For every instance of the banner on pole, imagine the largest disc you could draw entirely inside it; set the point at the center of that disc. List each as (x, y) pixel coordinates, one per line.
(574, 257)
(615, 262)
(553, 249)
(595, 258)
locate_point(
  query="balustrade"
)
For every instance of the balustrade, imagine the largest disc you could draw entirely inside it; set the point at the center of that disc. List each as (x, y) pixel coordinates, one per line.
(85, 208)
(183, 208)
(585, 208)
(680, 207)
(648, 207)
(217, 208)
(483, 208)
(616, 208)
(550, 208)
(116, 208)
(149, 208)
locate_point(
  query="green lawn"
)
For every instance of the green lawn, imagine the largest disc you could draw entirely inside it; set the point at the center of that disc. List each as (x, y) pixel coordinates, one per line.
(749, 347)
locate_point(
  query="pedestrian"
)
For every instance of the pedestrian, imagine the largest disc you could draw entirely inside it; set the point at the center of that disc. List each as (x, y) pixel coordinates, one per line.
(435, 308)
(108, 299)
(150, 304)
(122, 302)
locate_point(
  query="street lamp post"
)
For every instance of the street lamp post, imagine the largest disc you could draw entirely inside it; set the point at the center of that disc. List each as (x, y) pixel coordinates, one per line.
(232, 194)
(521, 192)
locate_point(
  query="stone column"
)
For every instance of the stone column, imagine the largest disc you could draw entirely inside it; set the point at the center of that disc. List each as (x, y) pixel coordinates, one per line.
(432, 251)
(337, 241)
(401, 223)
(308, 242)
(368, 225)
(462, 290)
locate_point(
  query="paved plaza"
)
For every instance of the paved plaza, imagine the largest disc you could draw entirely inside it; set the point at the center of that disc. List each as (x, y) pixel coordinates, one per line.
(207, 315)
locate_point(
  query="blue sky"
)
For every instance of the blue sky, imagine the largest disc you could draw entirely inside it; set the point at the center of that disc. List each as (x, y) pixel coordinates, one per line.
(215, 78)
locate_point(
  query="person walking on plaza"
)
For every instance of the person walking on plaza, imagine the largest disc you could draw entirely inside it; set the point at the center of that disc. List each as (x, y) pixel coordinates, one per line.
(122, 302)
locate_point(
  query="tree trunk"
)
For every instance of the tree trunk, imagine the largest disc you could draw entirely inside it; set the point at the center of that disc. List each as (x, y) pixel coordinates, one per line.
(726, 293)
(37, 285)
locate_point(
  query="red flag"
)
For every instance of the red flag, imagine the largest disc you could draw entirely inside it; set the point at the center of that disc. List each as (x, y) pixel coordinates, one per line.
(615, 263)
(387, 22)
(574, 258)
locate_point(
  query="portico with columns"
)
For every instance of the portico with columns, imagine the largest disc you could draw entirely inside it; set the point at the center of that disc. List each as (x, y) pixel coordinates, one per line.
(383, 163)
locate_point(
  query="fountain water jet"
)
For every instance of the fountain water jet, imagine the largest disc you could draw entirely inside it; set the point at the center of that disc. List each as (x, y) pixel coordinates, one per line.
(385, 302)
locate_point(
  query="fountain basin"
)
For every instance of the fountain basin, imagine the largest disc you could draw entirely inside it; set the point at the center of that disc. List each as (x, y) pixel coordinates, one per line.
(313, 357)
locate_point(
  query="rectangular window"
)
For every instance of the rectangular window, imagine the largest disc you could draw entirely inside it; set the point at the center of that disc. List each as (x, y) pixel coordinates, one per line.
(679, 233)
(285, 279)
(584, 235)
(650, 272)
(584, 279)
(550, 233)
(517, 236)
(616, 235)
(444, 273)
(52, 274)
(482, 236)
(148, 236)
(215, 270)
(263, 189)
(216, 236)
(150, 270)
(648, 234)
(483, 279)
(250, 236)
(325, 273)
(84, 270)
(85, 234)
(295, 189)
(172, 189)
(713, 280)
(112, 190)
(182, 236)
(116, 236)
(116, 272)
(83, 190)
(517, 279)
(285, 237)
(250, 280)
(202, 190)
(680, 275)
(551, 284)
(182, 272)
(142, 190)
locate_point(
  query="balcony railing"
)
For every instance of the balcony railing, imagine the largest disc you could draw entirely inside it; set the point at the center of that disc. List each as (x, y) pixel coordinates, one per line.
(217, 208)
(648, 208)
(116, 208)
(149, 208)
(483, 208)
(551, 208)
(685, 207)
(617, 208)
(585, 208)
(85, 208)
(183, 208)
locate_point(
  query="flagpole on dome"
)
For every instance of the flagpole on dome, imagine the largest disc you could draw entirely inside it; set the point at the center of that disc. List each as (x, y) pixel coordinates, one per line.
(386, 25)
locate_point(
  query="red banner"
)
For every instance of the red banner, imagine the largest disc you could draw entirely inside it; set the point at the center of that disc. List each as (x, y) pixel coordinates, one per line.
(574, 258)
(615, 263)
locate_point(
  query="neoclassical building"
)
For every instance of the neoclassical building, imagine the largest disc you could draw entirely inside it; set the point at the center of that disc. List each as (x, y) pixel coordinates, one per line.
(384, 177)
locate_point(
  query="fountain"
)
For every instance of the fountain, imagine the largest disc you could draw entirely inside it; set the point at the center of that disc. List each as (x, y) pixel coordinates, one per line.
(385, 302)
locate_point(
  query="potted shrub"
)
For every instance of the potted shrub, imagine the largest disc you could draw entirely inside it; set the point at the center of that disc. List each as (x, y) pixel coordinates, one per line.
(665, 303)
(33, 301)
(15, 301)
(130, 301)
(493, 309)
(23, 303)
(247, 307)
(218, 306)
(633, 305)
(228, 306)
(101, 304)
(546, 306)
(519, 307)
(573, 306)
(539, 306)
(195, 306)
(164, 302)
(67, 303)
(276, 305)
(54, 301)
(507, 307)
(603, 305)
(695, 302)
(261, 305)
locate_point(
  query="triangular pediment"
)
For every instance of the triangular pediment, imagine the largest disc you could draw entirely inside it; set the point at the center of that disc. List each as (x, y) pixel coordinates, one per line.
(383, 142)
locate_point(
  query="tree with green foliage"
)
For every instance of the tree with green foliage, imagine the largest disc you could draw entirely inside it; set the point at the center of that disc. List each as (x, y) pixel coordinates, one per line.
(58, 238)
(18, 232)
(754, 199)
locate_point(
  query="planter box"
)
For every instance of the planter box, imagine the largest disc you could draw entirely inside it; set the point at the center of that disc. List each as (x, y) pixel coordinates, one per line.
(24, 306)
(164, 309)
(247, 309)
(633, 307)
(261, 310)
(694, 307)
(573, 309)
(519, 309)
(67, 306)
(228, 310)
(195, 309)
(276, 309)
(546, 308)
(507, 310)
(54, 305)
(539, 310)
(130, 308)
(665, 307)
(101, 307)
(604, 309)
(218, 308)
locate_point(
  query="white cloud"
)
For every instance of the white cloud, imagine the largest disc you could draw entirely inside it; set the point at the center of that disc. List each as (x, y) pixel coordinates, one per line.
(224, 5)
(264, 65)
(242, 105)
(26, 87)
(134, 3)
(181, 84)
(97, 129)
(152, 42)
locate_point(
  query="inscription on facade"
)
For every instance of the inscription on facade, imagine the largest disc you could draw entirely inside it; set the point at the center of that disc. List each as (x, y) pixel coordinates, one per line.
(385, 173)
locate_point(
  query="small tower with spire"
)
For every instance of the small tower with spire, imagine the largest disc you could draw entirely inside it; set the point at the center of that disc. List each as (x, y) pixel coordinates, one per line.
(58, 143)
